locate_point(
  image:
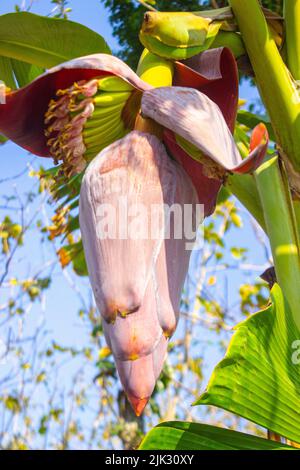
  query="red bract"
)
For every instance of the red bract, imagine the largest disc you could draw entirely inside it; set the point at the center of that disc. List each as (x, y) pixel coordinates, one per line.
(191, 115)
(214, 73)
(22, 116)
(217, 77)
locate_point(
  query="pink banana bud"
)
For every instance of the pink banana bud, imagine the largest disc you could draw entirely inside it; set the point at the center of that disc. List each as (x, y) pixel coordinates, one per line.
(137, 281)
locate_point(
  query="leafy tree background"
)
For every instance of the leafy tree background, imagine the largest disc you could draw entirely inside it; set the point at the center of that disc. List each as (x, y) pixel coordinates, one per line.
(58, 384)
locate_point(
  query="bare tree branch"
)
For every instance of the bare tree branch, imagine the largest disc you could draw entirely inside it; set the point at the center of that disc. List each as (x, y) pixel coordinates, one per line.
(146, 5)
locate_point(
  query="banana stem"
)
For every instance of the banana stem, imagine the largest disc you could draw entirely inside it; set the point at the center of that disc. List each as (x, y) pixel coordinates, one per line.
(297, 213)
(292, 30)
(281, 227)
(244, 188)
(273, 79)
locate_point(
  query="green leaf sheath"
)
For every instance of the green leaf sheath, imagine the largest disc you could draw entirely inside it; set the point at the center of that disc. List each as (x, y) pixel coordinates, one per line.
(244, 188)
(179, 435)
(296, 205)
(258, 378)
(282, 230)
(272, 77)
(292, 32)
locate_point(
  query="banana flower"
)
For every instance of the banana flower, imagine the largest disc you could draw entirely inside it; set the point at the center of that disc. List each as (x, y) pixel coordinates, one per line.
(88, 111)
(137, 281)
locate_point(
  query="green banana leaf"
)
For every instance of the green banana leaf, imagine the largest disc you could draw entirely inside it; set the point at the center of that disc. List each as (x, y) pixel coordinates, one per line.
(46, 42)
(24, 72)
(259, 378)
(7, 73)
(16, 73)
(177, 435)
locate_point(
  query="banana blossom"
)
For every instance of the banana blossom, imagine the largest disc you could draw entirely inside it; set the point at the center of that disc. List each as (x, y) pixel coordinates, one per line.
(88, 111)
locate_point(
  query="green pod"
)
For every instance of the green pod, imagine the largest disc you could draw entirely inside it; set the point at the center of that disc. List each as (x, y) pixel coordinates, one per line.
(179, 35)
(232, 40)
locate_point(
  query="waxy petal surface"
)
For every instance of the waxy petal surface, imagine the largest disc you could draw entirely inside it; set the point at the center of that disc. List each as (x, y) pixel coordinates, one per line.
(215, 73)
(137, 283)
(129, 175)
(173, 260)
(193, 116)
(139, 377)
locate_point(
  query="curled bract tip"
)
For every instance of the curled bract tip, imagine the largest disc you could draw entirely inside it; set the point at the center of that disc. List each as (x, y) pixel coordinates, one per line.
(259, 142)
(198, 120)
(259, 136)
(138, 404)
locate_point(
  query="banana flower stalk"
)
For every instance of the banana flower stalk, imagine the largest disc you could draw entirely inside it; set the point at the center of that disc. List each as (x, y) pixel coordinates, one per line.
(96, 109)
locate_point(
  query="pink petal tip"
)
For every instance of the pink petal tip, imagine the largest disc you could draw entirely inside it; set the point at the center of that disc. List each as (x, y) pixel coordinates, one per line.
(138, 404)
